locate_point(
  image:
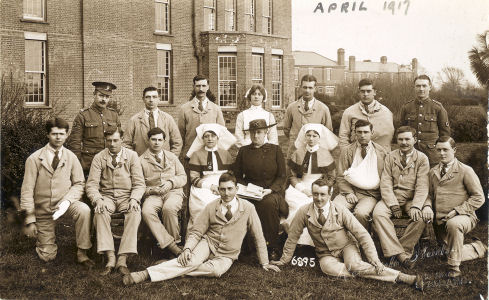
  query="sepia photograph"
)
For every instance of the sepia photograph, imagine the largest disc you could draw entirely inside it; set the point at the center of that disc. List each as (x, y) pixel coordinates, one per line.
(244, 149)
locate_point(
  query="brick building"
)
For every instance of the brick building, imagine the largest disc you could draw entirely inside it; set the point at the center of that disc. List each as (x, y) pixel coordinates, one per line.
(60, 47)
(331, 73)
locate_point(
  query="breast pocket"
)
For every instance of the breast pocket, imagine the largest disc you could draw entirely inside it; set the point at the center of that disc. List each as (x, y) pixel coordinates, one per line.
(410, 120)
(91, 129)
(430, 123)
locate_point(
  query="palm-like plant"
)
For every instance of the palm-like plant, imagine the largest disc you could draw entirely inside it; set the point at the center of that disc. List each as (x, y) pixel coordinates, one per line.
(479, 59)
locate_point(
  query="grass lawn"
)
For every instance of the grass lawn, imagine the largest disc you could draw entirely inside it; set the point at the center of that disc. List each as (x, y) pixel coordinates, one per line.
(23, 275)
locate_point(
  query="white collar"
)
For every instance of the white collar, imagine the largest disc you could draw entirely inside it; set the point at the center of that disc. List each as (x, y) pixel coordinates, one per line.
(258, 107)
(118, 154)
(369, 145)
(147, 111)
(313, 148)
(325, 208)
(310, 102)
(50, 148)
(409, 154)
(210, 149)
(204, 102)
(449, 165)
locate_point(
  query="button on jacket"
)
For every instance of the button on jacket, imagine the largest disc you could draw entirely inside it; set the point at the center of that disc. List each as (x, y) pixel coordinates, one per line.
(136, 133)
(399, 184)
(225, 237)
(87, 135)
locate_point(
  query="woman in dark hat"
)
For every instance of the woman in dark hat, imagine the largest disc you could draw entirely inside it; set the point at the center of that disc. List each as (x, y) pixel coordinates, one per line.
(263, 164)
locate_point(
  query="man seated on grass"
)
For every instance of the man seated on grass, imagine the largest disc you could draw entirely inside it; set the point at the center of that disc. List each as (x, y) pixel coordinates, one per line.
(331, 227)
(214, 241)
(116, 184)
(404, 188)
(164, 176)
(455, 193)
(53, 185)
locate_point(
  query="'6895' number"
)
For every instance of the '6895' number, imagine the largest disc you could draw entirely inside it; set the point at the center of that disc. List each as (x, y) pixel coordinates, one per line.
(303, 261)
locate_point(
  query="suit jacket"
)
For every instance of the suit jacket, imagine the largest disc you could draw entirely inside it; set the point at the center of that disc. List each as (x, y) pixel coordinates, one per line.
(190, 117)
(398, 184)
(44, 188)
(156, 174)
(332, 237)
(346, 159)
(225, 237)
(459, 190)
(136, 133)
(126, 181)
(296, 117)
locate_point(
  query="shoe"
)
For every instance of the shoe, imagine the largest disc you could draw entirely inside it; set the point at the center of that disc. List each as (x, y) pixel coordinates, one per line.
(88, 264)
(106, 271)
(127, 280)
(123, 270)
(419, 283)
(408, 263)
(454, 273)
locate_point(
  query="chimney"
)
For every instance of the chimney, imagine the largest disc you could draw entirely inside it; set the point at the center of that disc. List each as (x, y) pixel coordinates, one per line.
(414, 66)
(383, 59)
(341, 56)
(351, 63)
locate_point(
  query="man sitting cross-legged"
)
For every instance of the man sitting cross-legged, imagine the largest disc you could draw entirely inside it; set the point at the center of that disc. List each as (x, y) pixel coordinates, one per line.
(214, 241)
(164, 176)
(404, 188)
(331, 227)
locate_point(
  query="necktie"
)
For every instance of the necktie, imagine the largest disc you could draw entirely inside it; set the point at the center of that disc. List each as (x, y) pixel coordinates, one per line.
(209, 161)
(321, 218)
(114, 160)
(443, 170)
(306, 105)
(363, 151)
(366, 108)
(201, 107)
(157, 158)
(403, 160)
(151, 120)
(305, 162)
(228, 214)
(55, 162)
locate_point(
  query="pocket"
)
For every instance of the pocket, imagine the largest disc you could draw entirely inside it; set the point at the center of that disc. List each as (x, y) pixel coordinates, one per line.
(91, 129)
(430, 123)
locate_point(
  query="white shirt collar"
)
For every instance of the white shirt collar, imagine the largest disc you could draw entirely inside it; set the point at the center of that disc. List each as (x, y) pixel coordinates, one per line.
(234, 206)
(313, 148)
(449, 165)
(204, 102)
(210, 149)
(147, 111)
(310, 102)
(325, 209)
(254, 107)
(50, 148)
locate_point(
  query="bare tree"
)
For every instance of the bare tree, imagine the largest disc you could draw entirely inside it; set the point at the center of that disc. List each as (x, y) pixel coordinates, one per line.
(452, 78)
(479, 59)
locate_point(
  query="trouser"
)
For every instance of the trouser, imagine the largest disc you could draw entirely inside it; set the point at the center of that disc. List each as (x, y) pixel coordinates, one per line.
(353, 265)
(428, 148)
(452, 234)
(169, 205)
(361, 210)
(46, 246)
(203, 263)
(386, 232)
(105, 241)
(268, 212)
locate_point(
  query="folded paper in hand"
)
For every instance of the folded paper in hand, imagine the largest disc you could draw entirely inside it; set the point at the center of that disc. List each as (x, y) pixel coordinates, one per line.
(250, 192)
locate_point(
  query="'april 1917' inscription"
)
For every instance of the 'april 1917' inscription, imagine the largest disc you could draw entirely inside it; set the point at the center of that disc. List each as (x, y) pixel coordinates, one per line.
(393, 7)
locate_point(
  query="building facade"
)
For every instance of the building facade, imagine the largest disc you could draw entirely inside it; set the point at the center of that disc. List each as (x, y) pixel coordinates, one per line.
(332, 73)
(61, 47)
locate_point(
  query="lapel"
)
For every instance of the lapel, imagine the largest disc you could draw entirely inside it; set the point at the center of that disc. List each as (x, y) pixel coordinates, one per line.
(43, 157)
(312, 216)
(150, 158)
(450, 174)
(397, 159)
(380, 160)
(143, 120)
(108, 159)
(219, 214)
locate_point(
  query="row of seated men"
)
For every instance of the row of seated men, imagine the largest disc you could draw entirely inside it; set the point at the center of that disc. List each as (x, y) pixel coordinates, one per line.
(447, 195)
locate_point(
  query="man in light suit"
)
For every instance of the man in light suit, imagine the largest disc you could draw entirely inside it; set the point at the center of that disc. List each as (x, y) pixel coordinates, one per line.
(455, 193)
(198, 110)
(135, 137)
(357, 199)
(214, 241)
(116, 184)
(306, 109)
(335, 233)
(404, 188)
(165, 177)
(53, 185)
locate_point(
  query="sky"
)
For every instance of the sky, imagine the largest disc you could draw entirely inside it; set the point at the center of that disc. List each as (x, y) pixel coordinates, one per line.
(439, 33)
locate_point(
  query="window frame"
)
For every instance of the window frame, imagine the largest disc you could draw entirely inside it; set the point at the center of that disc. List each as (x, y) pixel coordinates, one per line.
(259, 79)
(164, 79)
(42, 72)
(27, 16)
(249, 16)
(267, 18)
(212, 10)
(167, 12)
(219, 80)
(230, 12)
(279, 58)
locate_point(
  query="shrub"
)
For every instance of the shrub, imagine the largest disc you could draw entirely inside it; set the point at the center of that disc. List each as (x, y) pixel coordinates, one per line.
(468, 123)
(22, 133)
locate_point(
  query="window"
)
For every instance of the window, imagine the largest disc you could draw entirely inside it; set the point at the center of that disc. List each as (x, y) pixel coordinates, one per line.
(163, 73)
(162, 15)
(257, 76)
(209, 15)
(296, 74)
(346, 76)
(328, 73)
(227, 80)
(230, 15)
(267, 16)
(34, 9)
(35, 72)
(276, 81)
(249, 15)
(329, 90)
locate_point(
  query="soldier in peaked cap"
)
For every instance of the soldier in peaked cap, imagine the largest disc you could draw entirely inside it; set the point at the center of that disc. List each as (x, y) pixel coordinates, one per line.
(87, 136)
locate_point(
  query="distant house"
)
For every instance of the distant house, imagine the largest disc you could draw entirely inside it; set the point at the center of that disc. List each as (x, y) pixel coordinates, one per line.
(330, 73)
